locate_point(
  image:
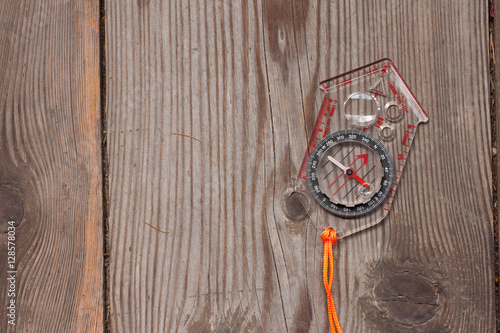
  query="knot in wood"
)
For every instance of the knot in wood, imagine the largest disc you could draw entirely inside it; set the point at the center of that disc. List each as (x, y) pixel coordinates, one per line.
(407, 298)
(293, 206)
(12, 208)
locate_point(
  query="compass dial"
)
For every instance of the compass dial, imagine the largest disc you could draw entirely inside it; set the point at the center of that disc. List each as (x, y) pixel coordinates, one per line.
(350, 173)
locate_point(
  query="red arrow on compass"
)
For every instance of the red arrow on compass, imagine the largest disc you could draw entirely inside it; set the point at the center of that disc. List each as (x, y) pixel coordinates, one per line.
(364, 157)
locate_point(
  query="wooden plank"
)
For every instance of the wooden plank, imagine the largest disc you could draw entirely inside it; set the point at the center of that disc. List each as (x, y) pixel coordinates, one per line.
(50, 165)
(495, 46)
(442, 53)
(240, 256)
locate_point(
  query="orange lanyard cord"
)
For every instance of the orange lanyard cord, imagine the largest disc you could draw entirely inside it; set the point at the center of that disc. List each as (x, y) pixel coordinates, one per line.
(329, 237)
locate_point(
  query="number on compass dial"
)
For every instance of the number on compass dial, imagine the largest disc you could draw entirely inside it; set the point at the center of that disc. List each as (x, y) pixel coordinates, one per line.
(350, 173)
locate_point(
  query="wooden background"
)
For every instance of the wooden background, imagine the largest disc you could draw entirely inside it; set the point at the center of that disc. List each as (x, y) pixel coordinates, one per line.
(241, 255)
(50, 164)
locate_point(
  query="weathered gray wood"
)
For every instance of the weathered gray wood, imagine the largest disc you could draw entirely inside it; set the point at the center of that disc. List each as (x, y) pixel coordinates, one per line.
(242, 77)
(50, 165)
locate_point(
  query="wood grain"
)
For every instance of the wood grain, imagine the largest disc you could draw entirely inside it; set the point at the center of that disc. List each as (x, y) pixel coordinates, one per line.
(495, 58)
(241, 255)
(50, 164)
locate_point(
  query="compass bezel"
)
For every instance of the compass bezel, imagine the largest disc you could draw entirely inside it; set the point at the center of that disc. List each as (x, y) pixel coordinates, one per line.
(370, 142)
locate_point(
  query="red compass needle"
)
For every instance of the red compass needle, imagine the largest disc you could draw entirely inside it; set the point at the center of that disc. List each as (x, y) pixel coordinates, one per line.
(359, 179)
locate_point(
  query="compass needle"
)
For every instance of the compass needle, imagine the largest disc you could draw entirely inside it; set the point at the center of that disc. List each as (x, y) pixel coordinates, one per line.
(365, 184)
(337, 163)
